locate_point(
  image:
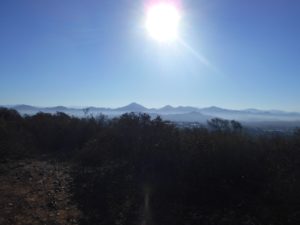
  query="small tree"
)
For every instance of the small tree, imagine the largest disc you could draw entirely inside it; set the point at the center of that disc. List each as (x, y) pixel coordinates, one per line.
(236, 126)
(220, 125)
(86, 111)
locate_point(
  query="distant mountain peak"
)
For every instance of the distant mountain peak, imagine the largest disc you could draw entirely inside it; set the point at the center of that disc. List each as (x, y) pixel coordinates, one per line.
(23, 107)
(213, 109)
(167, 107)
(132, 107)
(134, 104)
(59, 107)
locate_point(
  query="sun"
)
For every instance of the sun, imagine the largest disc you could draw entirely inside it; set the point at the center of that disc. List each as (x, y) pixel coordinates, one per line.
(162, 21)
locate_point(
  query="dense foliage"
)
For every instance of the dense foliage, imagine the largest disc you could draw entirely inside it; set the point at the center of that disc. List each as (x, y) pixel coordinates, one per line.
(138, 170)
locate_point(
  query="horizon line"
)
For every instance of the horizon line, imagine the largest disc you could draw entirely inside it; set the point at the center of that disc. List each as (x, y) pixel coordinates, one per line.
(177, 106)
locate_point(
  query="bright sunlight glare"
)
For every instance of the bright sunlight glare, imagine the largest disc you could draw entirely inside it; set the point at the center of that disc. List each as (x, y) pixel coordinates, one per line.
(162, 21)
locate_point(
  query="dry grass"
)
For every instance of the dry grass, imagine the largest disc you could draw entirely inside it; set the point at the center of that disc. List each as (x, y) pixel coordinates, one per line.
(36, 192)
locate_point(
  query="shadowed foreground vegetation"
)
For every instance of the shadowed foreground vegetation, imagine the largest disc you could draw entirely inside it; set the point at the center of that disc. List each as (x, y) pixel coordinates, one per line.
(138, 170)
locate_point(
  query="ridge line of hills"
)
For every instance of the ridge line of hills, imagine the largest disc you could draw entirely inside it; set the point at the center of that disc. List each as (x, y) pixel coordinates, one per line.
(168, 112)
(135, 107)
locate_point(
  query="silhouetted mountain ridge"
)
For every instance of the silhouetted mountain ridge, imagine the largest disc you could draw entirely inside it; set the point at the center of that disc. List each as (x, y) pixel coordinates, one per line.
(132, 107)
(179, 113)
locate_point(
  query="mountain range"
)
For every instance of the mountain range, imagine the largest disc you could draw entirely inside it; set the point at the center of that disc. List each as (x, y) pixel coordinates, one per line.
(168, 112)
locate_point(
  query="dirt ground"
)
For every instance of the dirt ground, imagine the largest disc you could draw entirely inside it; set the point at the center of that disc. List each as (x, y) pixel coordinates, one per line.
(34, 192)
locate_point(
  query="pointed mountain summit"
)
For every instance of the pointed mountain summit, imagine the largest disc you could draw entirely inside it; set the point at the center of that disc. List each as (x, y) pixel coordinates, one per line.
(133, 107)
(24, 107)
(167, 108)
(57, 108)
(179, 109)
(214, 109)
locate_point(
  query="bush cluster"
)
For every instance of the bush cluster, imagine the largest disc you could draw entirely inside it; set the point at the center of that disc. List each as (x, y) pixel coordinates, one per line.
(137, 170)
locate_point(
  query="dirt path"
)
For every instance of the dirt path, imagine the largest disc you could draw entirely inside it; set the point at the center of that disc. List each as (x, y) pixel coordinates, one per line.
(36, 192)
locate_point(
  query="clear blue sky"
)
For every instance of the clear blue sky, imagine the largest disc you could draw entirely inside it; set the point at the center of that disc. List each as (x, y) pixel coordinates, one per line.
(97, 52)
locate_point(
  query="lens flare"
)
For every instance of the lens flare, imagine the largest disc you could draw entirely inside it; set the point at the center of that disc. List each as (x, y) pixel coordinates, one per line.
(162, 21)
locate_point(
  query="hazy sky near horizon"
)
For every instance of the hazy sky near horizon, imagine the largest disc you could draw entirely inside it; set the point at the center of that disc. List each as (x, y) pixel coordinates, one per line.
(97, 52)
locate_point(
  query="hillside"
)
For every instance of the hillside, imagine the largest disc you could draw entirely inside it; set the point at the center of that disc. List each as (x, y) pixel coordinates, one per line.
(134, 169)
